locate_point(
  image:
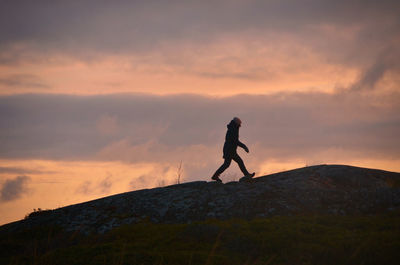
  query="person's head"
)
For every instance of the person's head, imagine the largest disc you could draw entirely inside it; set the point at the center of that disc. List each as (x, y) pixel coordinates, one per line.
(237, 121)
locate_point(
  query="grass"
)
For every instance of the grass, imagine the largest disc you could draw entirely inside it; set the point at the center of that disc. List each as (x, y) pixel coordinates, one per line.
(277, 240)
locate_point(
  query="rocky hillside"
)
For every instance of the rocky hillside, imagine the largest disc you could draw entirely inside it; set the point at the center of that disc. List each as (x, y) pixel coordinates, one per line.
(323, 189)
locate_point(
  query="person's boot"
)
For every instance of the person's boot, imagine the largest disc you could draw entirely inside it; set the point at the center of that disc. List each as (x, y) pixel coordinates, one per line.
(216, 178)
(250, 175)
(247, 177)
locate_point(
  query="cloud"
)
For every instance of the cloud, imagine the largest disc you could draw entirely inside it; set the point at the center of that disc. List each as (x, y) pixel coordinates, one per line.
(100, 187)
(101, 27)
(107, 125)
(55, 20)
(85, 188)
(160, 175)
(14, 189)
(245, 74)
(220, 48)
(388, 60)
(22, 81)
(168, 129)
(105, 184)
(22, 170)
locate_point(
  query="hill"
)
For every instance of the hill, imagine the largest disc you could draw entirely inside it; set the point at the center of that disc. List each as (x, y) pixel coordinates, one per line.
(322, 189)
(327, 214)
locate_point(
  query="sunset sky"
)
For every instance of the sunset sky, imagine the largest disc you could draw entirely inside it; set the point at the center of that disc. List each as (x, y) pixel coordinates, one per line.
(103, 97)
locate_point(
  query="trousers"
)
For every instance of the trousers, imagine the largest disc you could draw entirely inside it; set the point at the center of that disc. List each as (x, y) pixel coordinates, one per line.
(227, 163)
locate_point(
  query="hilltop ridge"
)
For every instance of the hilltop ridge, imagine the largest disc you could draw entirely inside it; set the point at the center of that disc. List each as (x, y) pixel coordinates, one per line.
(321, 189)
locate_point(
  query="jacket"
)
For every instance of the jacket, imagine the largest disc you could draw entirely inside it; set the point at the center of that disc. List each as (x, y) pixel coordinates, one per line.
(232, 140)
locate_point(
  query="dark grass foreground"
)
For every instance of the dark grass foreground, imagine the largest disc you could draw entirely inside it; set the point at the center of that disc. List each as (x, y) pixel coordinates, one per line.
(276, 240)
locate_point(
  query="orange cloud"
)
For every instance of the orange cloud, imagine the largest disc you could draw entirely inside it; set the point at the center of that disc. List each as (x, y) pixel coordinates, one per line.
(225, 67)
(55, 184)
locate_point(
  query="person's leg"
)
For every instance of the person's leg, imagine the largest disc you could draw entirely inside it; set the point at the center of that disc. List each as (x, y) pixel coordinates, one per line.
(222, 168)
(242, 167)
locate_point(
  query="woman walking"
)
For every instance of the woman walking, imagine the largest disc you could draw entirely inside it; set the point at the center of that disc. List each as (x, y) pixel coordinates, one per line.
(230, 147)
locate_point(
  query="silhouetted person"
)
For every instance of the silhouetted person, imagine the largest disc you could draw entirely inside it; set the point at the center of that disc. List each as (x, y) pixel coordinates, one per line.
(230, 146)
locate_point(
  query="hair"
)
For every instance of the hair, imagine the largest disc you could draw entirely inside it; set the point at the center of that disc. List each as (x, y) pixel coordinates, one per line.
(237, 120)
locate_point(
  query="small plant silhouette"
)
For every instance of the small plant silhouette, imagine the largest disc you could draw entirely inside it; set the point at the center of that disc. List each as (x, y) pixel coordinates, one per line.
(179, 173)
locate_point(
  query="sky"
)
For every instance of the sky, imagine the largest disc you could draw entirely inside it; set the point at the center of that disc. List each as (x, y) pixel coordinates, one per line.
(103, 97)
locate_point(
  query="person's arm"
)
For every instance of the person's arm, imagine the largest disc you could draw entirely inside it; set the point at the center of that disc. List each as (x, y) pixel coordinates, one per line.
(242, 145)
